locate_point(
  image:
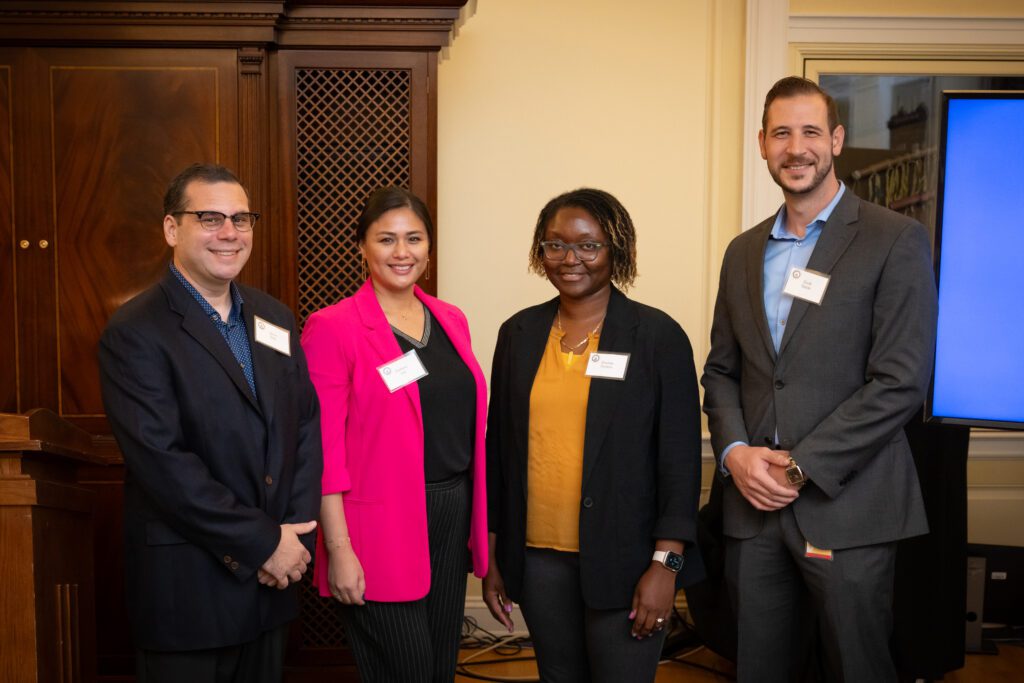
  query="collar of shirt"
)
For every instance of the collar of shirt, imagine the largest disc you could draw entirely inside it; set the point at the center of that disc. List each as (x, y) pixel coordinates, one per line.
(234, 317)
(233, 331)
(784, 252)
(779, 229)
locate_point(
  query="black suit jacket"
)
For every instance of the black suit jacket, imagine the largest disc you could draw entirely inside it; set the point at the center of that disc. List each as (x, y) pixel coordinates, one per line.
(641, 454)
(211, 471)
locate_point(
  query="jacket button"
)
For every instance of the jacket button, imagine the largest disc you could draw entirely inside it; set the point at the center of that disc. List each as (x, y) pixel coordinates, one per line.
(768, 441)
(227, 559)
(779, 384)
(588, 502)
(269, 479)
(234, 566)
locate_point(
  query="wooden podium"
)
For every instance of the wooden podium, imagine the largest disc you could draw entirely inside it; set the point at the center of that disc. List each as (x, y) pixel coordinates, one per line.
(47, 595)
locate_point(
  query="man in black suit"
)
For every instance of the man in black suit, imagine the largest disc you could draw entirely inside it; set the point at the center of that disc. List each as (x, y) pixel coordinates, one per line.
(821, 350)
(207, 392)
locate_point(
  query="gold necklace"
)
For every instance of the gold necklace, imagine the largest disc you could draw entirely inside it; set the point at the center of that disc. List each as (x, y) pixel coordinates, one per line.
(558, 321)
(406, 314)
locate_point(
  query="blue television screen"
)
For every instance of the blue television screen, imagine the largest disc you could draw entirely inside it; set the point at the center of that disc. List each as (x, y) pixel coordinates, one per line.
(979, 357)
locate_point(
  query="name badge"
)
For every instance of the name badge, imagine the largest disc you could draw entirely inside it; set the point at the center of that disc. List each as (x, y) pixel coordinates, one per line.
(808, 285)
(269, 334)
(402, 371)
(606, 365)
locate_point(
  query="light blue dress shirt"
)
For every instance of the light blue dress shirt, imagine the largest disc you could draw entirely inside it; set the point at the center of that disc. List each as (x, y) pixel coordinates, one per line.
(784, 252)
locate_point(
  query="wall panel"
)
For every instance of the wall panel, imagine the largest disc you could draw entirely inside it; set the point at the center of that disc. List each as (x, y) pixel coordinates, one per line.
(143, 125)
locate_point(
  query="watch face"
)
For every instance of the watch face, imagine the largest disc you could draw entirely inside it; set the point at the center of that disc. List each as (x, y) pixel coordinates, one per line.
(674, 561)
(794, 475)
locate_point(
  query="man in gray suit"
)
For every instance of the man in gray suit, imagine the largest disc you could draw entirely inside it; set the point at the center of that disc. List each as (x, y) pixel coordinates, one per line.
(821, 351)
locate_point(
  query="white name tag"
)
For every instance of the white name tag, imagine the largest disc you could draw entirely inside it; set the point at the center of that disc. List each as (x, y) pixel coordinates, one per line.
(806, 284)
(269, 334)
(402, 371)
(606, 365)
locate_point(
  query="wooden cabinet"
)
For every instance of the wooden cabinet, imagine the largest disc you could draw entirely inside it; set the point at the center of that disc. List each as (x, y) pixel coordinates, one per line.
(314, 104)
(46, 570)
(96, 135)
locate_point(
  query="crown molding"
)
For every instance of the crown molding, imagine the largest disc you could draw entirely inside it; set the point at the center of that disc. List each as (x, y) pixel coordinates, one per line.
(916, 31)
(337, 24)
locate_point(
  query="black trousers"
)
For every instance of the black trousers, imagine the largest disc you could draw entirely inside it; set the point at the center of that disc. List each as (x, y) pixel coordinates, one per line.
(258, 661)
(418, 641)
(574, 643)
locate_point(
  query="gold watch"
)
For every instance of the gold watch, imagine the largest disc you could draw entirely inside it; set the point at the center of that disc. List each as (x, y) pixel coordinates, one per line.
(794, 474)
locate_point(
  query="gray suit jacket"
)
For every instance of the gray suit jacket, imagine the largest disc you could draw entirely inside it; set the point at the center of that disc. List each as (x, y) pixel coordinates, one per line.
(848, 375)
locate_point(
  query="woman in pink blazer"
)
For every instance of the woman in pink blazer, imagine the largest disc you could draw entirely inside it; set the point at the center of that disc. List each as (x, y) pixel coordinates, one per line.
(403, 413)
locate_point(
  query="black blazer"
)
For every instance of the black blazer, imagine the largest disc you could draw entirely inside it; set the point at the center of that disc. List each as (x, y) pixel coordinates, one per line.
(211, 472)
(641, 453)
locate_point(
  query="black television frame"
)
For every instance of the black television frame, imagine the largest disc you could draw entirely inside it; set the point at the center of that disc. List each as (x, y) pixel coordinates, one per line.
(940, 194)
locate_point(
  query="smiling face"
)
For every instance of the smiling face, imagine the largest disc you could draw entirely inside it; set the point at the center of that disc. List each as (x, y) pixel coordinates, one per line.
(798, 146)
(573, 278)
(210, 260)
(396, 248)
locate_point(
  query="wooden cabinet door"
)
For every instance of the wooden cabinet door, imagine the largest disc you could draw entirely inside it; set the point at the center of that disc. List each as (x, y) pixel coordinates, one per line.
(95, 135)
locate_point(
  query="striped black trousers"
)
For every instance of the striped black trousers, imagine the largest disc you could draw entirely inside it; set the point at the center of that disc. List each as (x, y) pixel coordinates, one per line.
(418, 641)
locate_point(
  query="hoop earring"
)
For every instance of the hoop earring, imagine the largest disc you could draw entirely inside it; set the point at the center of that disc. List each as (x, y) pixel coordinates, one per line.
(427, 276)
(364, 270)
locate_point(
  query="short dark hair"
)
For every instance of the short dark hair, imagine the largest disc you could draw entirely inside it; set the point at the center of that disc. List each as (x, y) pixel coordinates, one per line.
(793, 86)
(174, 198)
(386, 199)
(614, 220)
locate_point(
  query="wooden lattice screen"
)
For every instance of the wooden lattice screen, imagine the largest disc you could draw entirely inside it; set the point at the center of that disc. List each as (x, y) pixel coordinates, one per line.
(353, 135)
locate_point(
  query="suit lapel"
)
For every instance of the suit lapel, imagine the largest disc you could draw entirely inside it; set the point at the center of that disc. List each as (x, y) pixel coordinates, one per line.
(451, 326)
(200, 328)
(836, 235)
(526, 349)
(382, 340)
(755, 283)
(264, 358)
(617, 335)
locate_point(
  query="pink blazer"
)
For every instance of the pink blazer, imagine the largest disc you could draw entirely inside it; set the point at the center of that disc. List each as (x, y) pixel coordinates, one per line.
(373, 444)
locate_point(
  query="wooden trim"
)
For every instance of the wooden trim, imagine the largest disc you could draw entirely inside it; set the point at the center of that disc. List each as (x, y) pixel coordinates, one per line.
(908, 33)
(766, 63)
(253, 150)
(324, 24)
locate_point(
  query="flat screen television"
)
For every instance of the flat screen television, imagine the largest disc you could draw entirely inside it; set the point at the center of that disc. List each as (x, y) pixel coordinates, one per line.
(978, 379)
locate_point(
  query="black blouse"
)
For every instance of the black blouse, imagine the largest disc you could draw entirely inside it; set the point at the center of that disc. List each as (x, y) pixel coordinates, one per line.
(448, 401)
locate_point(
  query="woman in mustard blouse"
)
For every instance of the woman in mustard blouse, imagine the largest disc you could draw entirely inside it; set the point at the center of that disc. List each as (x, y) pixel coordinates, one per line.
(593, 455)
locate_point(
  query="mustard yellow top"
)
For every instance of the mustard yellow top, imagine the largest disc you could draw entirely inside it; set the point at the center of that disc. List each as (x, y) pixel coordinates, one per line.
(558, 420)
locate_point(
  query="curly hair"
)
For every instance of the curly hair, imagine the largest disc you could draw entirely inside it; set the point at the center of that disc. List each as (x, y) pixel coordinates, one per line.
(614, 220)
